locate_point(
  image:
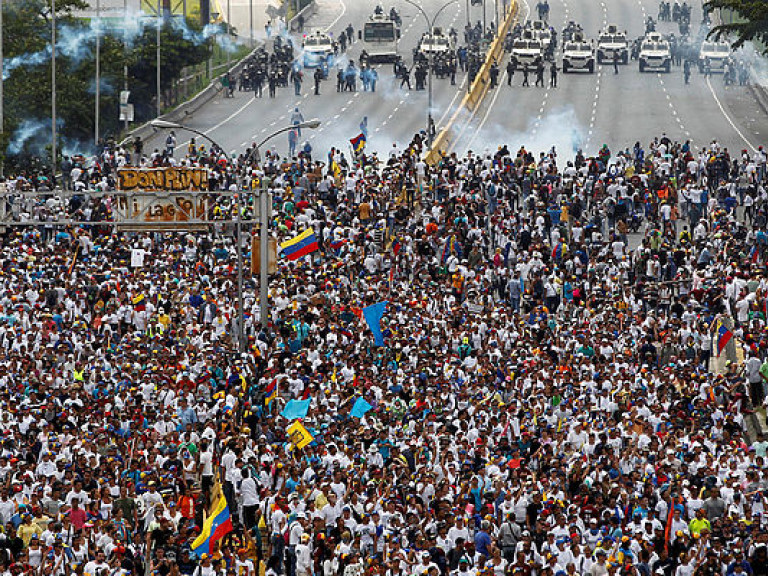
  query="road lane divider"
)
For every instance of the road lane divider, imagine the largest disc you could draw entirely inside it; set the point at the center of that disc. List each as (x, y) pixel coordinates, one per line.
(446, 139)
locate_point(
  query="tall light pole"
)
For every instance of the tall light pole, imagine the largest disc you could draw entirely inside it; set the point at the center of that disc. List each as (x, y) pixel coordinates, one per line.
(469, 22)
(250, 16)
(54, 152)
(263, 223)
(125, 56)
(98, 73)
(2, 118)
(430, 29)
(157, 40)
(229, 31)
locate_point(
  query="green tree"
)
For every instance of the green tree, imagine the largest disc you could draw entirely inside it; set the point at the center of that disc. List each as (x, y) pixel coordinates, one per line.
(28, 87)
(176, 53)
(751, 22)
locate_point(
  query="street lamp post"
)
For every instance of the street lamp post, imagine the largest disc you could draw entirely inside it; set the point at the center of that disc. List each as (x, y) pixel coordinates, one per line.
(229, 31)
(2, 130)
(430, 29)
(157, 57)
(53, 90)
(263, 223)
(98, 74)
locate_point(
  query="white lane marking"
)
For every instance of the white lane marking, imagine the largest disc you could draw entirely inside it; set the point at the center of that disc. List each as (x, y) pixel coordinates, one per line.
(251, 100)
(493, 100)
(449, 109)
(672, 106)
(343, 11)
(220, 124)
(594, 107)
(727, 117)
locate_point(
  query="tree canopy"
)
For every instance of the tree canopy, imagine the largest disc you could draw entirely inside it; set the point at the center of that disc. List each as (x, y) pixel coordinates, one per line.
(750, 22)
(27, 70)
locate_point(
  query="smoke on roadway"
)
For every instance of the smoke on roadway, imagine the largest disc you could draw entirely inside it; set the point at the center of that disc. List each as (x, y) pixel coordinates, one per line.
(560, 128)
(77, 42)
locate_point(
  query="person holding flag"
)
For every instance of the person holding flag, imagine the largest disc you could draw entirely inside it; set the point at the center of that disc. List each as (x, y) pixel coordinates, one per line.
(358, 143)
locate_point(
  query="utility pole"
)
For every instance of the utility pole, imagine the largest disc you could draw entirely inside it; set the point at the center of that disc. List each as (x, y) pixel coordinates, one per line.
(250, 8)
(54, 152)
(229, 30)
(264, 249)
(125, 56)
(98, 73)
(2, 117)
(468, 19)
(239, 235)
(158, 59)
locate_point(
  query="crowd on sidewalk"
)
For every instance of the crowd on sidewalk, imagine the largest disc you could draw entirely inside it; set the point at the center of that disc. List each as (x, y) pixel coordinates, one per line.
(572, 360)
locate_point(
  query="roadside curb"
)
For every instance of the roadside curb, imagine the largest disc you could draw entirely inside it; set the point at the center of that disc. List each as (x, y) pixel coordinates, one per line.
(761, 96)
(445, 140)
(188, 108)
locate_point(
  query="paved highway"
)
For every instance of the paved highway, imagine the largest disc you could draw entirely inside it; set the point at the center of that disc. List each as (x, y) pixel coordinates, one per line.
(584, 111)
(394, 114)
(587, 111)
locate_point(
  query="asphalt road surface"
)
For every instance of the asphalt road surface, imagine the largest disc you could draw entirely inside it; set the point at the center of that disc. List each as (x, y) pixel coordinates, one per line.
(394, 114)
(589, 110)
(584, 111)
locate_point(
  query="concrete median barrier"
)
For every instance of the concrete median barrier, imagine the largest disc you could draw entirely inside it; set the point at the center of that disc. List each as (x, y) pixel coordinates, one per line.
(446, 138)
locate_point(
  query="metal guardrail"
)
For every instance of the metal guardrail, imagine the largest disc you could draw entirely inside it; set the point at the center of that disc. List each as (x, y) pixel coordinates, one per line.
(183, 111)
(188, 108)
(128, 209)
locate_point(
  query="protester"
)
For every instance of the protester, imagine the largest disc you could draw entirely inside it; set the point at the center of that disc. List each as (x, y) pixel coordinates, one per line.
(571, 356)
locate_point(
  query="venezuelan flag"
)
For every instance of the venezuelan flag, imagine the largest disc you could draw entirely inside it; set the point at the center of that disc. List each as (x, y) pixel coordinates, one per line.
(723, 337)
(305, 243)
(271, 393)
(358, 143)
(216, 526)
(557, 252)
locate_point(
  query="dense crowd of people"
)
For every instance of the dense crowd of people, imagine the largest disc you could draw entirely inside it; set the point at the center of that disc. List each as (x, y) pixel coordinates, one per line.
(556, 393)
